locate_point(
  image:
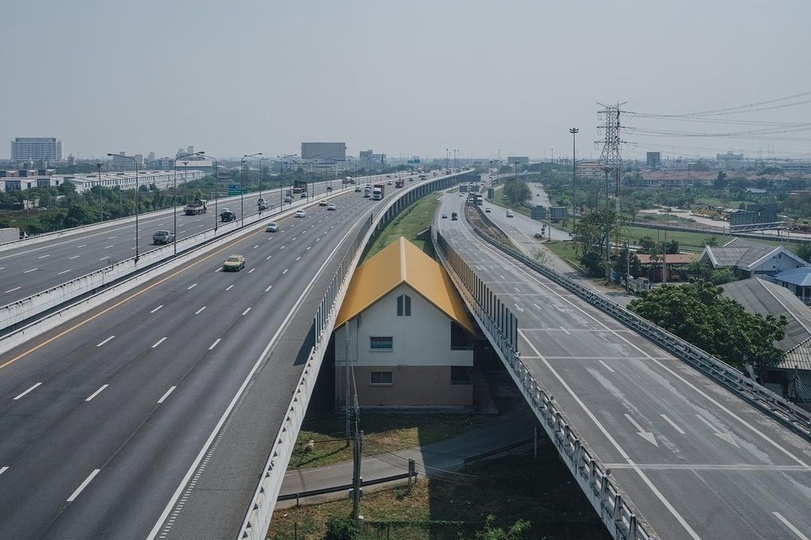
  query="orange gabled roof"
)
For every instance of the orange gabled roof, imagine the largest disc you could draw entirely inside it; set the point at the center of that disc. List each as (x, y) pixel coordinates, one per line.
(402, 262)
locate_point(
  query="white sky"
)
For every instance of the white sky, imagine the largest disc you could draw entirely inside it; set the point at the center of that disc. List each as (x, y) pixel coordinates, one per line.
(404, 78)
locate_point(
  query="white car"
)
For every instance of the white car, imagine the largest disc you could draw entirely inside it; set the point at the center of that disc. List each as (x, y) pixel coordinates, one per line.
(331, 206)
(272, 227)
(510, 213)
(300, 213)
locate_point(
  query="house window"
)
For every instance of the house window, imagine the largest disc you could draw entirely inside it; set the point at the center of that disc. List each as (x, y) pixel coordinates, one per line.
(381, 343)
(459, 337)
(381, 377)
(404, 305)
(461, 375)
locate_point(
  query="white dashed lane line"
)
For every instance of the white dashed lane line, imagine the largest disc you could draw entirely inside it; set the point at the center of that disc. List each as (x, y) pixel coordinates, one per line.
(246, 312)
(97, 392)
(190, 287)
(199, 311)
(161, 340)
(12, 290)
(32, 270)
(166, 395)
(269, 287)
(157, 308)
(43, 256)
(28, 391)
(285, 271)
(74, 257)
(211, 348)
(84, 485)
(228, 288)
(105, 341)
(251, 270)
(63, 272)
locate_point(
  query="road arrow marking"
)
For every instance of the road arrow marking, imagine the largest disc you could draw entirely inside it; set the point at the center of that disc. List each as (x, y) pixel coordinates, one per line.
(519, 308)
(647, 435)
(724, 436)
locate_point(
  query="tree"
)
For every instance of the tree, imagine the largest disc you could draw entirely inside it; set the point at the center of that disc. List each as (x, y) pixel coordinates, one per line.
(516, 531)
(517, 192)
(722, 327)
(804, 251)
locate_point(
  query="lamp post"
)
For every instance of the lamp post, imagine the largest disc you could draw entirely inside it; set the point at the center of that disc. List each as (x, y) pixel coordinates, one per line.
(245, 157)
(447, 158)
(216, 186)
(137, 202)
(101, 210)
(174, 191)
(607, 170)
(574, 131)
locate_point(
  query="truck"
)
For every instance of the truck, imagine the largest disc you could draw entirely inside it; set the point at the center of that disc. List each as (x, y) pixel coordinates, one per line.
(399, 183)
(367, 191)
(195, 207)
(226, 215)
(299, 186)
(378, 191)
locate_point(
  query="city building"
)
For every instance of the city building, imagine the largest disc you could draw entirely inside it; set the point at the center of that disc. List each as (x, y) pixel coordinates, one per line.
(22, 180)
(654, 160)
(730, 160)
(123, 162)
(521, 160)
(329, 151)
(406, 333)
(36, 149)
(367, 159)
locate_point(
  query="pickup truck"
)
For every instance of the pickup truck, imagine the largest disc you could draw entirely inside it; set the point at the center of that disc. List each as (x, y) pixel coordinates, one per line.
(163, 237)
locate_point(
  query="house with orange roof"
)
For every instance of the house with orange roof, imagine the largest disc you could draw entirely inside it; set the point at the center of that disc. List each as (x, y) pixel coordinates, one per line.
(403, 334)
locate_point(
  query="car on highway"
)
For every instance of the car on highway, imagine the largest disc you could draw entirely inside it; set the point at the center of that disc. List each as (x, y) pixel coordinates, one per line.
(304, 195)
(444, 216)
(510, 213)
(322, 202)
(272, 227)
(288, 199)
(487, 210)
(331, 206)
(357, 189)
(454, 216)
(300, 213)
(163, 237)
(234, 263)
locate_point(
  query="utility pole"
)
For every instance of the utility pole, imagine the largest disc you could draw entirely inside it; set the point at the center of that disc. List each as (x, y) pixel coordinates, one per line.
(574, 132)
(611, 161)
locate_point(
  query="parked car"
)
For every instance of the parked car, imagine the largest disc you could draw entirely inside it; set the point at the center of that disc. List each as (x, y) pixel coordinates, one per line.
(300, 213)
(234, 263)
(163, 237)
(272, 227)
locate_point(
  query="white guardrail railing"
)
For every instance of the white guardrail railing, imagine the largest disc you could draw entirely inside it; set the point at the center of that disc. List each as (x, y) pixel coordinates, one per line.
(257, 520)
(613, 507)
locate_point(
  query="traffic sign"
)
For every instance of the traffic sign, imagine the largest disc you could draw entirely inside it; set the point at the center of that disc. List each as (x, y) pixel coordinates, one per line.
(233, 189)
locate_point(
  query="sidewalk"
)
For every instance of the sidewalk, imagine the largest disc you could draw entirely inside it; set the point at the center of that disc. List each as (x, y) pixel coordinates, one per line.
(436, 459)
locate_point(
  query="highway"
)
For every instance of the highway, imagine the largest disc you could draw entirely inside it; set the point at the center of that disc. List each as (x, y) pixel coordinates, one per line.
(110, 422)
(695, 459)
(30, 267)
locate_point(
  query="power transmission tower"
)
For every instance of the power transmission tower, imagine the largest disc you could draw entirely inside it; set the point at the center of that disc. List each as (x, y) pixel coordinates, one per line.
(611, 161)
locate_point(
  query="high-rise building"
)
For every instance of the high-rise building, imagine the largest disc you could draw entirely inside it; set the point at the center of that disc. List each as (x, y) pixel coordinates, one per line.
(36, 149)
(653, 160)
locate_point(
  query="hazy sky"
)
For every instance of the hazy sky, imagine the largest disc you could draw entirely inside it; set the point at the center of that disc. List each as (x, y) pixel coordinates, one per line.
(404, 78)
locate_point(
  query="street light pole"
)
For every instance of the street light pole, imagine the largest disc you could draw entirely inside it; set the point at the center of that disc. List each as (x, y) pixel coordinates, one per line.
(137, 202)
(174, 192)
(574, 131)
(216, 186)
(245, 157)
(101, 210)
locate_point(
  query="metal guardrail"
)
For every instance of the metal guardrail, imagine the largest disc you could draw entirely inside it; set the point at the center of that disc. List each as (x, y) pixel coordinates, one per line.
(364, 483)
(776, 406)
(616, 512)
(258, 516)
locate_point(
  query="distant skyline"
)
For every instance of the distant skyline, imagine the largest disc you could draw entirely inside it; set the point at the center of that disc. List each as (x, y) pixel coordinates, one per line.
(409, 78)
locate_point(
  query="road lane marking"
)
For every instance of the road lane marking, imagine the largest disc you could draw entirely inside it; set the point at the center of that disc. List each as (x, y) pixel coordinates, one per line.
(74, 257)
(32, 270)
(228, 288)
(269, 287)
(200, 310)
(108, 247)
(44, 256)
(14, 289)
(166, 395)
(251, 270)
(614, 442)
(673, 424)
(214, 344)
(604, 364)
(268, 257)
(285, 246)
(104, 258)
(299, 257)
(285, 271)
(3, 469)
(246, 312)
(647, 435)
(97, 392)
(788, 524)
(156, 309)
(567, 332)
(724, 436)
(161, 340)
(63, 272)
(105, 341)
(308, 248)
(84, 485)
(190, 287)
(83, 245)
(112, 237)
(27, 391)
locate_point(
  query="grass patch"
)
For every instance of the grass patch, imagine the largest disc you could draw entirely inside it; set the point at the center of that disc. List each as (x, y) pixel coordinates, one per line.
(409, 223)
(381, 433)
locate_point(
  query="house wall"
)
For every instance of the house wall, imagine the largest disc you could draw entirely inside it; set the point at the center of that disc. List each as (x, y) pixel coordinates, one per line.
(773, 265)
(420, 360)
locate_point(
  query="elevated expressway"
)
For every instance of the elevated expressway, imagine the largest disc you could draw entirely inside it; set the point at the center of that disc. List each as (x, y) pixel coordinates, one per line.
(659, 447)
(156, 414)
